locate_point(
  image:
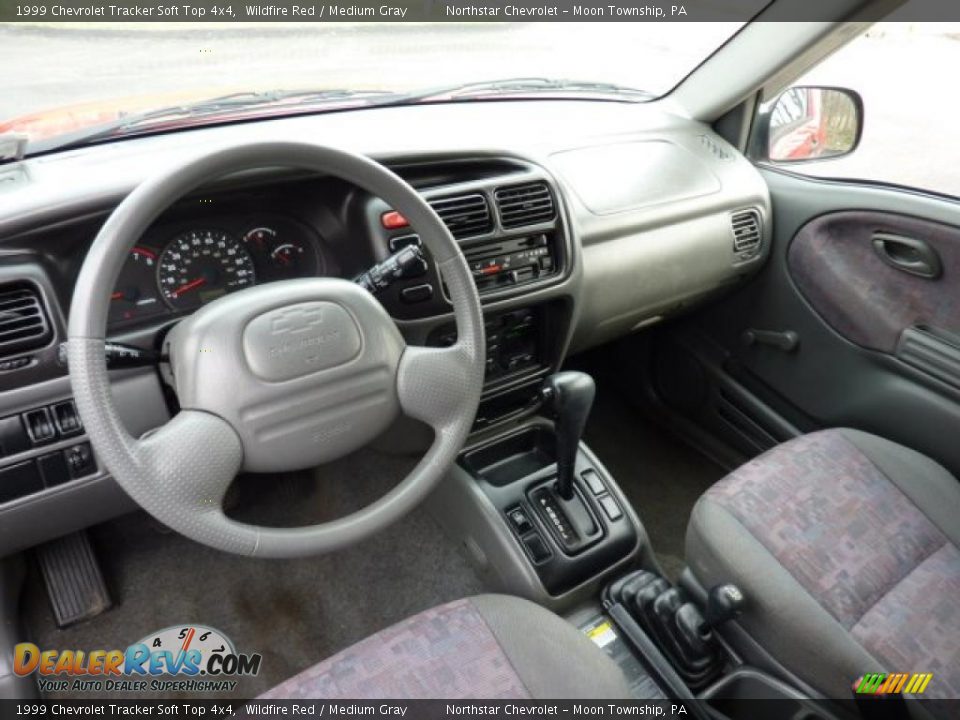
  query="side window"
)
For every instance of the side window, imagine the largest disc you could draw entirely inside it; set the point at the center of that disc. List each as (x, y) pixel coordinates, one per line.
(910, 135)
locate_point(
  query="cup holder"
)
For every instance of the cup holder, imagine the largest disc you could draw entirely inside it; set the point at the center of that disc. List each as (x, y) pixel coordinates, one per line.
(748, 693)
(512, 458)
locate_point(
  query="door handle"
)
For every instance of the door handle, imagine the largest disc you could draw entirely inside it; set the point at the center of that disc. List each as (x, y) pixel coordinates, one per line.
(908, 255)
(788, 340)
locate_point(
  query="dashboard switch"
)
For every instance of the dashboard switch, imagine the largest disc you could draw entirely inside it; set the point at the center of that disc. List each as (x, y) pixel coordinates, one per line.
(401, 241)
(66, 417)
(519, 520)
(592, 479)
(393, 220)
(417, 293)
(39, 425)
(610, 507)
(80, 460)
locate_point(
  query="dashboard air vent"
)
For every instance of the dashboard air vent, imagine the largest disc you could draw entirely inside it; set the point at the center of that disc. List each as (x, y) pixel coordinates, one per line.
(521, 205)
(23, 320)
(746, 231)
(464, 215)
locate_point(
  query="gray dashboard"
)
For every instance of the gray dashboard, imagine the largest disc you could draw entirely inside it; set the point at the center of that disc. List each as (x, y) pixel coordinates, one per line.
(648, 209)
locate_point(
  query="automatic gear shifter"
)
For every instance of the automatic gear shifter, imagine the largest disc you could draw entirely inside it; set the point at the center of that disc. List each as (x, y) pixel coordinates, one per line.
(561, 506)
(569, 396)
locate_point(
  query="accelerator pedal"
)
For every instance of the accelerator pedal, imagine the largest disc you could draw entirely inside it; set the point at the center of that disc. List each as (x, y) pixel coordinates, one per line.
(73, 578)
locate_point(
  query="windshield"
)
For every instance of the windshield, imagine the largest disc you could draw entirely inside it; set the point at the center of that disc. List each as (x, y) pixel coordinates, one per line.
(86, 75)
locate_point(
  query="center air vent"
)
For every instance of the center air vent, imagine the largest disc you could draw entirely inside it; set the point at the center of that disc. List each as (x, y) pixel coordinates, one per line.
(746, 231)
(23, 321)
(522, 205)
(464, 215)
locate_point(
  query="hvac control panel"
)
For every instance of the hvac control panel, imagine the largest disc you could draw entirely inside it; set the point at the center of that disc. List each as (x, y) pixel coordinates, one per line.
(512, 261)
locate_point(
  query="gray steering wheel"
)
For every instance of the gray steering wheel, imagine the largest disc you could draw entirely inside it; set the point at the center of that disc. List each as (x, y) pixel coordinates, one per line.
(276, 377)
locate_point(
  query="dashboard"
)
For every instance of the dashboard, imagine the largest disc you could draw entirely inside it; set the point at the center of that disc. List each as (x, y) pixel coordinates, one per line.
(599, 222)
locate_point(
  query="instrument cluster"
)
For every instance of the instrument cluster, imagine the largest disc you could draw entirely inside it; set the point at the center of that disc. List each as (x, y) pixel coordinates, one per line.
(175, 269)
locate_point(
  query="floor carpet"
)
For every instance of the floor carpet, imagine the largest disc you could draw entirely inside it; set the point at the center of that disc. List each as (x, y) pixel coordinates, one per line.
(298, 612)
(294, 612)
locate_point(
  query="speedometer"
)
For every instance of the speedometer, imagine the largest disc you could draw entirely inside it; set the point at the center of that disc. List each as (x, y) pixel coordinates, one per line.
(201, 265)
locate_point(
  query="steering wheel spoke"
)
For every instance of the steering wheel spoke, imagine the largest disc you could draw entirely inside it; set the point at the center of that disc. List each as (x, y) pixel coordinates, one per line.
(189, 464)
(432, 384)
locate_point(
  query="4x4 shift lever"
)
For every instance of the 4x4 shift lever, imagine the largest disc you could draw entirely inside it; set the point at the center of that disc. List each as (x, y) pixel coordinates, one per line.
(569, 396)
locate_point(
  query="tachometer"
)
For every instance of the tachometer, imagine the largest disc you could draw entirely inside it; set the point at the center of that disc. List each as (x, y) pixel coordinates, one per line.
(201, 265)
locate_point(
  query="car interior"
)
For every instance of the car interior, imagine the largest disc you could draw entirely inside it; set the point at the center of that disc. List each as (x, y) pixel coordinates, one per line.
(515, 398)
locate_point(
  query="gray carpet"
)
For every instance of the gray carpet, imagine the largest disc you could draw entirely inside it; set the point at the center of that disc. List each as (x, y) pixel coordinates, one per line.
(294, 612)
(661, 475)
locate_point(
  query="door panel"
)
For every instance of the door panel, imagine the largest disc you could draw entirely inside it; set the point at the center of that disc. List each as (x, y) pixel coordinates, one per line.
(851, 314)
(873, 275)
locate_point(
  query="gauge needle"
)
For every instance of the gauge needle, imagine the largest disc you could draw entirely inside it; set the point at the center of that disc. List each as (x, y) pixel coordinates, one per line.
(189, 286)
(116, 296)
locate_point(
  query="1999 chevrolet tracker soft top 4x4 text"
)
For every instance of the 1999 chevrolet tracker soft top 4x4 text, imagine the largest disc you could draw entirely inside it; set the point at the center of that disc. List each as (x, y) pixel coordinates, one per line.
(615, 363)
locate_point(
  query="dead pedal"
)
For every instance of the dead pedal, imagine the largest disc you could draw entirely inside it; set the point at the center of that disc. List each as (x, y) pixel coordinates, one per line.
(73, 578)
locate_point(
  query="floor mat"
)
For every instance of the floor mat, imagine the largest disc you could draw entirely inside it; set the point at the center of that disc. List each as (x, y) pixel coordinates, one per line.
(294, 612)
(661, 475)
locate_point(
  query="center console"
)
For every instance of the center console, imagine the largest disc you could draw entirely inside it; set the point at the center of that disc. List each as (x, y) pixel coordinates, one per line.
(538, 512)
(566, 543)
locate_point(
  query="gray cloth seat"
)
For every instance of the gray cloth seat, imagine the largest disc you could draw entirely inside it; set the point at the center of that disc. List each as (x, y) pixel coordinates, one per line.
(846, 547)
(489, 646)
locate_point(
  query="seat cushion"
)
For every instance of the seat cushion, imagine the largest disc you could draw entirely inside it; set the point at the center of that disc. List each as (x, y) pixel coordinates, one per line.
(485, 647)
(845, 545)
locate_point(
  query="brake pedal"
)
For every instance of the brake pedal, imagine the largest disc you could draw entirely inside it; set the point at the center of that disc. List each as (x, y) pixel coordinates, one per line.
(73, 578)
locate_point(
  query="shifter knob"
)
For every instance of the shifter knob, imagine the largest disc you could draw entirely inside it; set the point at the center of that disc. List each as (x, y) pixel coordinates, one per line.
(569, 396)
(724, 602)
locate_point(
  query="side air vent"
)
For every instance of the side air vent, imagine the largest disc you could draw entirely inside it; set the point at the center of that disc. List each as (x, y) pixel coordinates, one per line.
(746, 231)
(23, 320)
(522, 205)
(464, 215)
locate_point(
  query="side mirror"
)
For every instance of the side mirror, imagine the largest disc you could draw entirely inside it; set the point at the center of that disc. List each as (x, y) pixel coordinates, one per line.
(809, 123)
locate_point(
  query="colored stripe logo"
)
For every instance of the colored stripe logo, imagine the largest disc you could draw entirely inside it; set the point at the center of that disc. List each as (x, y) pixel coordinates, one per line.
(894, 683)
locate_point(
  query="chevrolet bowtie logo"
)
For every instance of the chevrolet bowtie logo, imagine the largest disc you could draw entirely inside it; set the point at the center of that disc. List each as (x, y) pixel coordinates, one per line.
(296, 320)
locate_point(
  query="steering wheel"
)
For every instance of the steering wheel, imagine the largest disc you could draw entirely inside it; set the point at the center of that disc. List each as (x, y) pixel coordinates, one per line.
(276, 377)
